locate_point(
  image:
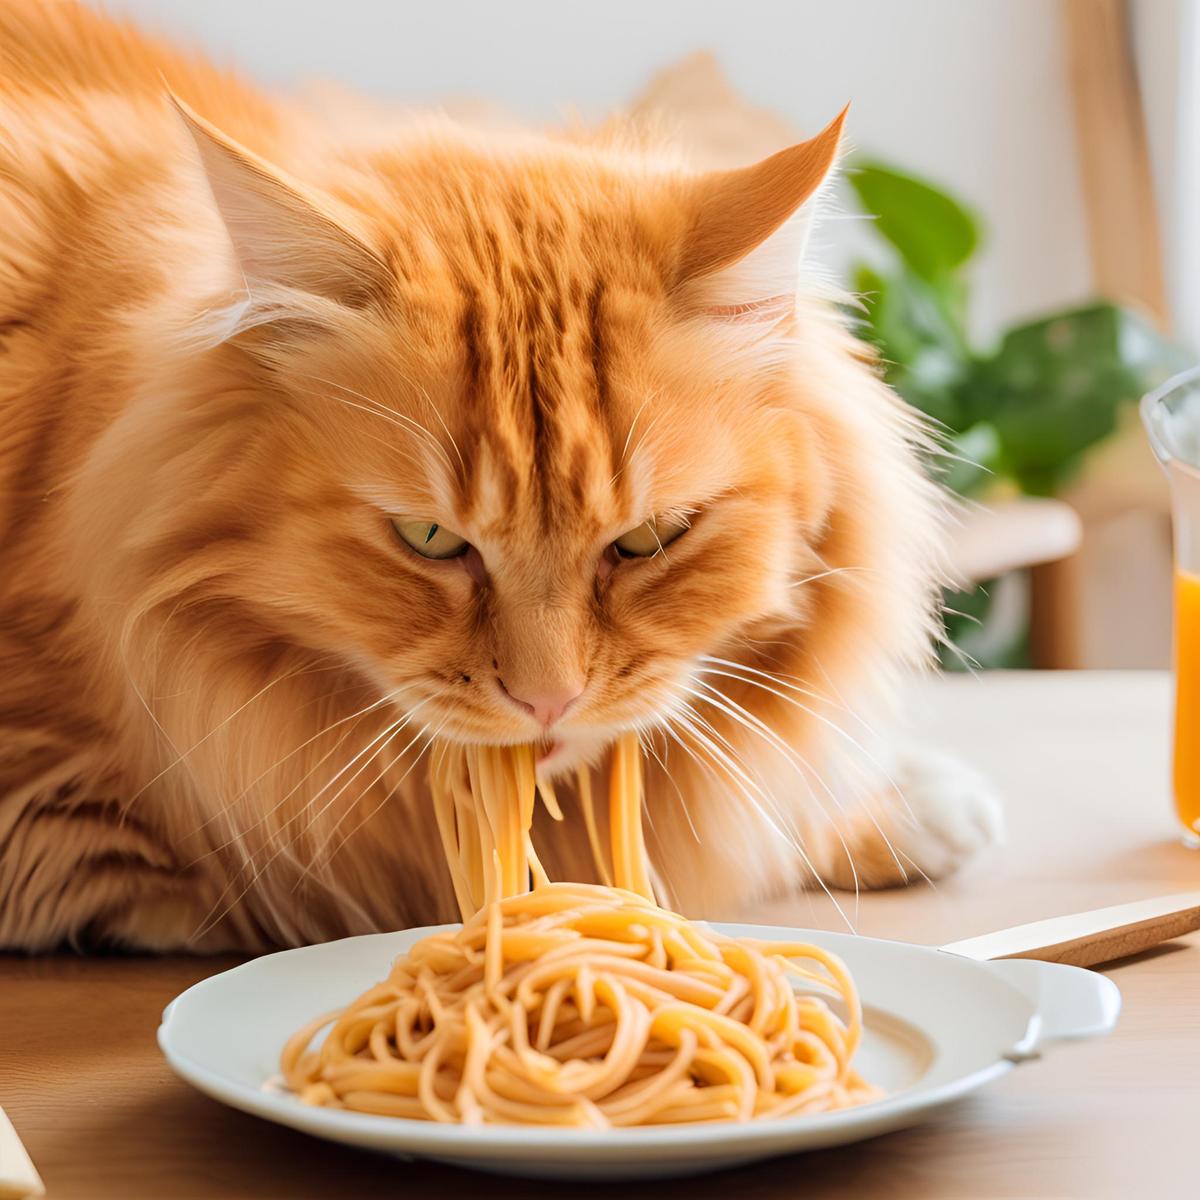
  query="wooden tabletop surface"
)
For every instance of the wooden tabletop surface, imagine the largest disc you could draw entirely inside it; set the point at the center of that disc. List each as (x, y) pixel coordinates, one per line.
(1082, 760)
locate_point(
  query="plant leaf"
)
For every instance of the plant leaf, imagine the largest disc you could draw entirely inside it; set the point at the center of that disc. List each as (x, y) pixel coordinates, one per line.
(1054, 386)
(912, 324)
(933, 233)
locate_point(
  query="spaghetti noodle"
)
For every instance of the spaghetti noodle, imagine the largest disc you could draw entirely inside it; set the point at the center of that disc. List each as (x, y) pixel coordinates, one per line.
(484, 798)
(578, 1004)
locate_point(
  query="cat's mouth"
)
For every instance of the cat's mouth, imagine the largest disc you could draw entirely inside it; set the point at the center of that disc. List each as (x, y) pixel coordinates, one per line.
(558, 756)
(550, 753)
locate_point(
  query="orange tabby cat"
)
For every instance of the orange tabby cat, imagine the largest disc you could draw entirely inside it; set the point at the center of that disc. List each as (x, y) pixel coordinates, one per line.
(314, 449)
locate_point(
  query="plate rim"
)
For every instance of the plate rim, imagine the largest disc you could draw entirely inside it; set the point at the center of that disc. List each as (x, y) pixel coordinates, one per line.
(406, 1135)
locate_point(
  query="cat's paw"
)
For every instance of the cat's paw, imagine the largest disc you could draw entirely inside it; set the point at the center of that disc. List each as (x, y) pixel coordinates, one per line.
(948, 813)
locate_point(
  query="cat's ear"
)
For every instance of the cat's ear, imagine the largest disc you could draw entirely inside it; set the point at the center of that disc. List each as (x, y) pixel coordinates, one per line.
(748, 228)
(284, 233)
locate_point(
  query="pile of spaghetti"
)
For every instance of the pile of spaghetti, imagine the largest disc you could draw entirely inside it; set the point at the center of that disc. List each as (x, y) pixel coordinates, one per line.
(578, 1004)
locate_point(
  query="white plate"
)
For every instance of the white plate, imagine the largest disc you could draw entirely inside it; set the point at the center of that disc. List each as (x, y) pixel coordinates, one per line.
(937, 1026)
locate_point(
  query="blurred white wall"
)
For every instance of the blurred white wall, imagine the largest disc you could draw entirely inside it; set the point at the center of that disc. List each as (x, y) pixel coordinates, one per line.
(972, 93)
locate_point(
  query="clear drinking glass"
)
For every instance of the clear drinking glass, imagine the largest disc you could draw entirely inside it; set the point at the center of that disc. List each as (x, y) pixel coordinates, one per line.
(1172, 418)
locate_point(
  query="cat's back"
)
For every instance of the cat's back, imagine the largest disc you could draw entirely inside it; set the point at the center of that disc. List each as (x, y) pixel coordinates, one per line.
(90, 158)
(85, 130)
(58, 52)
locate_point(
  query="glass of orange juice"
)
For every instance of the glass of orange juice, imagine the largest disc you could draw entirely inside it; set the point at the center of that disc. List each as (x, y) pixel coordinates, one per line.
(1172, 418)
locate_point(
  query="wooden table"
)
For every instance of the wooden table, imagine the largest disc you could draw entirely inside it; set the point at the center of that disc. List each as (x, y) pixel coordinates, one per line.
(1082, 759)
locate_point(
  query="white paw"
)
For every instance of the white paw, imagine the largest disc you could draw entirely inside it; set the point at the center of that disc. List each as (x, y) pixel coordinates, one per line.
(949, 812)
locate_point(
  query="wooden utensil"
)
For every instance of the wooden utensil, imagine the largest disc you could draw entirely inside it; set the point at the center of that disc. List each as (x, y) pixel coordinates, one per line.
(1089, 938)
(18, 1178)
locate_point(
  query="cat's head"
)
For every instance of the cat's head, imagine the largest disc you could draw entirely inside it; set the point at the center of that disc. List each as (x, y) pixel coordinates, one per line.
(535, 425)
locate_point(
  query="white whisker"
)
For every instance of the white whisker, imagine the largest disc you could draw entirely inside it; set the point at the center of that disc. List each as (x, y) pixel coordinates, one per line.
(790, 755)
(212, 917)
(422, 732)
(827, 573)
(648, 743)
(389, 414)
(378, 703)
(217, 729)
(816, 716)
(747, 787)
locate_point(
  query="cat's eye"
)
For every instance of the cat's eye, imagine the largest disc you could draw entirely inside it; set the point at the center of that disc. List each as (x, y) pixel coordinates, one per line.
(431, 540)
(649, 537)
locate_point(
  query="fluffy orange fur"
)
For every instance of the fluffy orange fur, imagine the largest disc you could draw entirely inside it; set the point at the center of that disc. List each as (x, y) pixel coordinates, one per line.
(236, 344)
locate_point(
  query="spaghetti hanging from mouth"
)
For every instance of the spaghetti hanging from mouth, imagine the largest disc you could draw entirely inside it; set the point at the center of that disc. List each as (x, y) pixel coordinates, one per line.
(484, 799)
(578, 1004)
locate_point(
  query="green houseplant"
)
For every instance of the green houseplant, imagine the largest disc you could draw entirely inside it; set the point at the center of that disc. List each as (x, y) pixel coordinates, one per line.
(1021, 413)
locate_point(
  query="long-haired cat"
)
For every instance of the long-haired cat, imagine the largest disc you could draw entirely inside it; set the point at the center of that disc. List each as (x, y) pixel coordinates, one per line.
(317, 447)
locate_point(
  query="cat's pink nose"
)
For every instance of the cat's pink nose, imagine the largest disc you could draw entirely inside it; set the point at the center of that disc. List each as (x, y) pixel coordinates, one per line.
(547, 703)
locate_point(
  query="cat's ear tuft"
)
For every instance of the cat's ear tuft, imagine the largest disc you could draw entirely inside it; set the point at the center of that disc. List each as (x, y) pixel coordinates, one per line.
(748, 228)
(285, 234)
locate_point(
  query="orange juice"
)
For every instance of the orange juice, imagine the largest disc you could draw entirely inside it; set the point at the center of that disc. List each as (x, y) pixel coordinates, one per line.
(1187, 700)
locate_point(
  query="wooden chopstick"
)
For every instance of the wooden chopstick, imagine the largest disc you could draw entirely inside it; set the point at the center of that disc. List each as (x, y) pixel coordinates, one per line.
(1089, 938)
